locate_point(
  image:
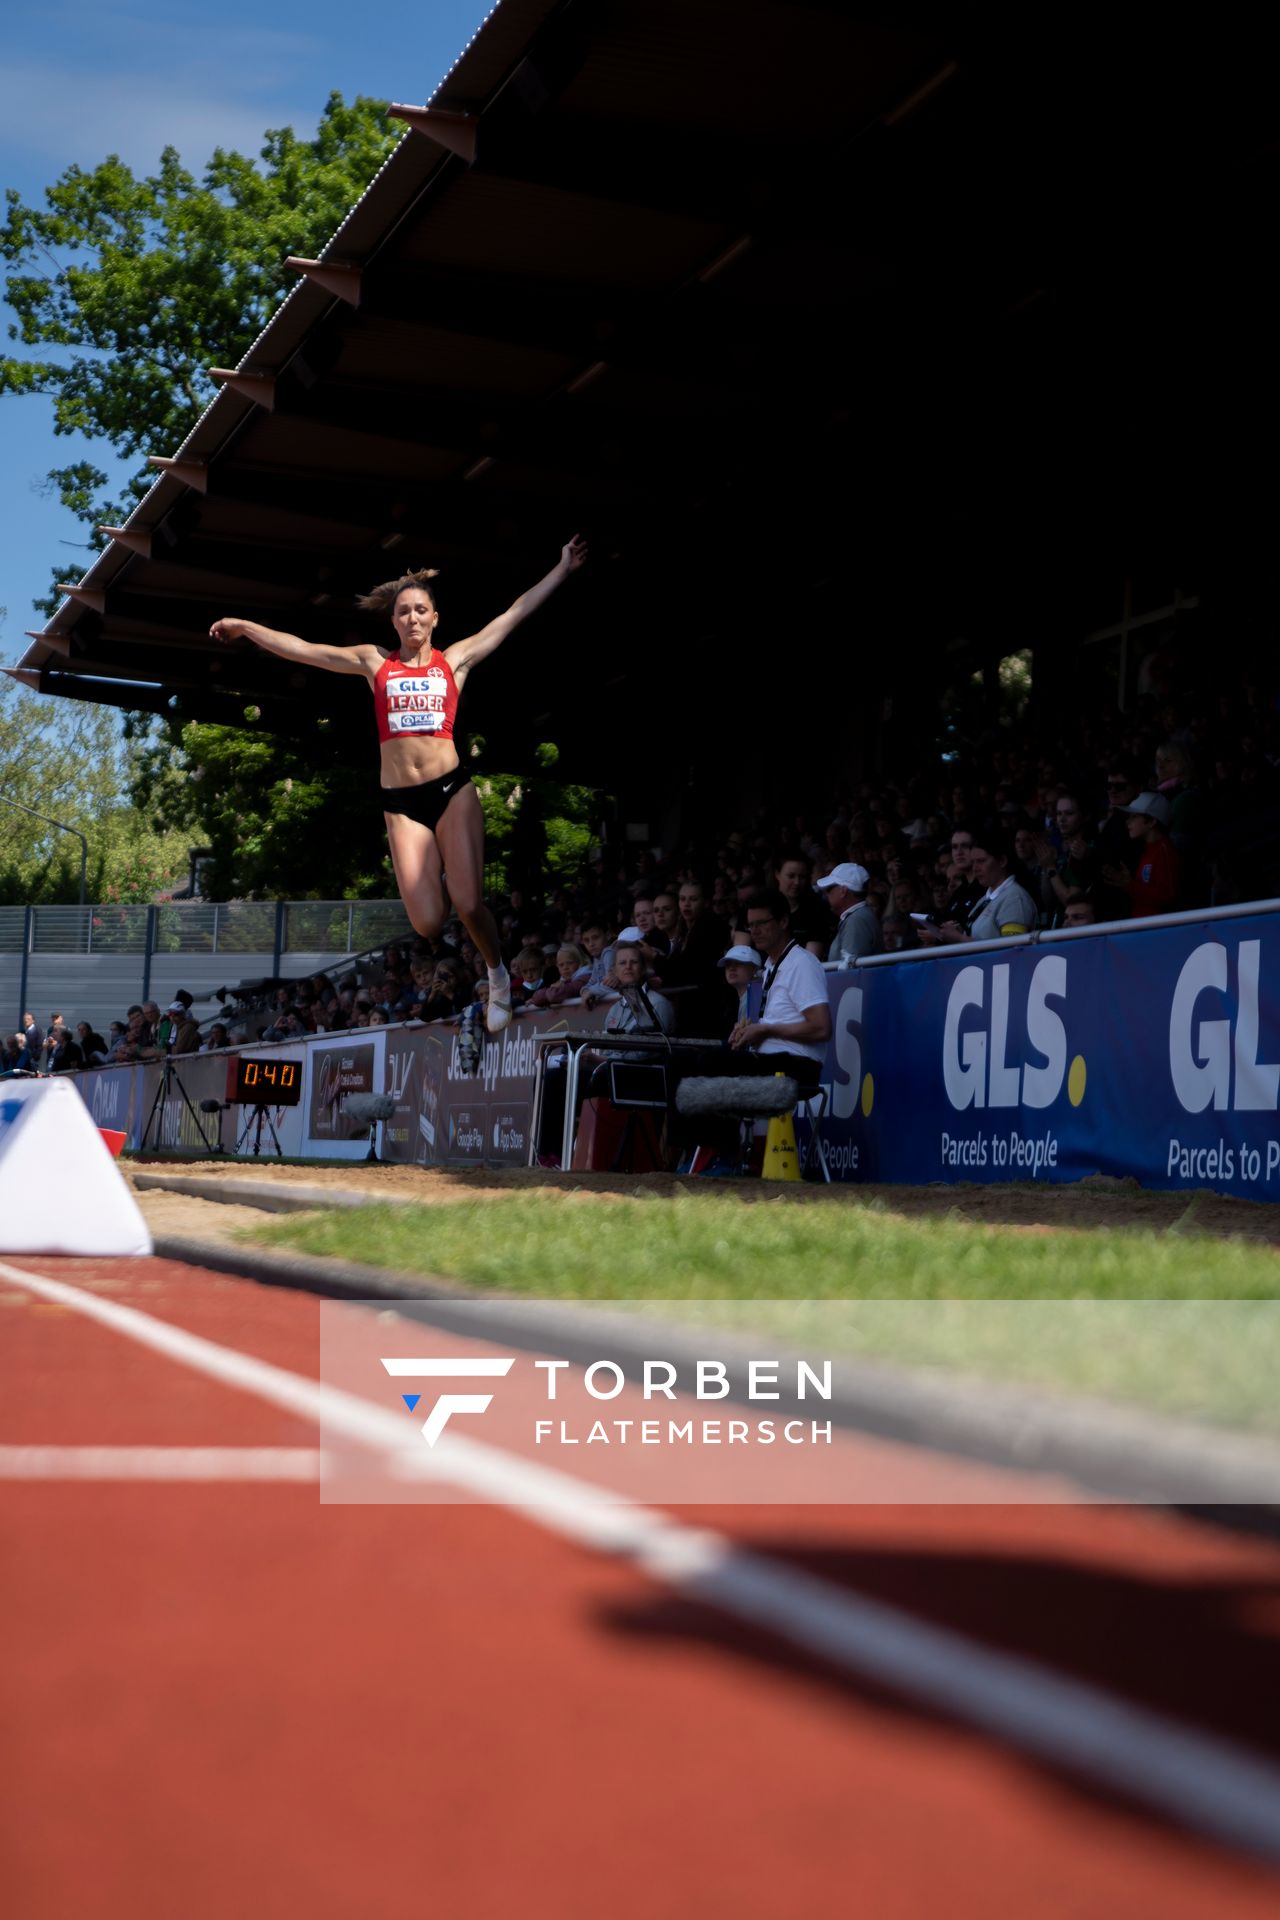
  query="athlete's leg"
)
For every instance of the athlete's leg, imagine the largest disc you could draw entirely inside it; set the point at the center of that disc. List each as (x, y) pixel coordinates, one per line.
(415, 857)
(460, 834)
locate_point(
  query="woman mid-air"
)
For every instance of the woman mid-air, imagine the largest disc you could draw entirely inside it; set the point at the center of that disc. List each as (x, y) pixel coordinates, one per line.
(435, 827)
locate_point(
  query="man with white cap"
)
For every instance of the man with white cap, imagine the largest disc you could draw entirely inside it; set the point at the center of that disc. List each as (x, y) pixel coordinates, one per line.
(858, 933)
(1153, 887)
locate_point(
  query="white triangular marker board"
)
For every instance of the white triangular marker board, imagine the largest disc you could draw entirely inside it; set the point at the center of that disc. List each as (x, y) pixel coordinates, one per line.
(60, 1190)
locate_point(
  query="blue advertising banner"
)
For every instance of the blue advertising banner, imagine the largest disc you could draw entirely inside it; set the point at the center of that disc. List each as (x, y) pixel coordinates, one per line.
(1152, 1053)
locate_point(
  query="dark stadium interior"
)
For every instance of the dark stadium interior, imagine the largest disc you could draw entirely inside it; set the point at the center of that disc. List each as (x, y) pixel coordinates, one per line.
(865, 347)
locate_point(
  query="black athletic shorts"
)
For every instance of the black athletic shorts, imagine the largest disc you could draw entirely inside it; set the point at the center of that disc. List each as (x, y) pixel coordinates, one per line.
(428, 800)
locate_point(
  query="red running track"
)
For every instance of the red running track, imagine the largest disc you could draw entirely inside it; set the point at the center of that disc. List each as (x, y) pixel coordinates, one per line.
(227, 1698)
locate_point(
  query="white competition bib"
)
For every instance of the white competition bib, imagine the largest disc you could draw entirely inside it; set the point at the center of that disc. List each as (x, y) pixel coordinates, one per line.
(416, 702)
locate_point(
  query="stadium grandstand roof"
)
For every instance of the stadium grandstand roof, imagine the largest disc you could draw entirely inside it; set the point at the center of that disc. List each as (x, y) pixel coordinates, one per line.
(833, 327)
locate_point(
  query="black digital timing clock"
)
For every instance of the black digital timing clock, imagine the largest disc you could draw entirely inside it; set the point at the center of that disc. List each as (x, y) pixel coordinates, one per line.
(260, 1082)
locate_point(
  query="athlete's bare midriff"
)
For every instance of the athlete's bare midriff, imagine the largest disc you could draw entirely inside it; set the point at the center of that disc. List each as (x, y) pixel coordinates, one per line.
(407, 763)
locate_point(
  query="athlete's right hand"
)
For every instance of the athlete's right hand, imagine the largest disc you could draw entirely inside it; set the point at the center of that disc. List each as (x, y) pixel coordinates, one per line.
(228, 631)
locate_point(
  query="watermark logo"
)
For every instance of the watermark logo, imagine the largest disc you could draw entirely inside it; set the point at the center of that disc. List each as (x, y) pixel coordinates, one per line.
(427, 1367)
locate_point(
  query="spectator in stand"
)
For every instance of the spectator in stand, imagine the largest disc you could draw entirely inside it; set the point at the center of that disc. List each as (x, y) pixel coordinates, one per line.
(66, 1055)
(218, 1038)
(637, 1007)
(666, 921)
(282, 1026)
(1188, 820)
(15, 1050)
(151, 1014)
(724, 898)
(571, 970)
(1114, 843)
(700, 940)
(323, 992)
(810, 920)
(899, 934)
(448, 992)
(52, 1041)
(185, 1034)
(379, 1017)
(1006, 908)
(1025, 844)
(1003, 908)
(595, 939)
(1079, 911)
(858, 931)
(741, 965)
(1175, 779)
(964, 888)
(32, 1038)
(1071, 864)
(91, 1044)
(642, 917)
(528, 974)
(1153, 886)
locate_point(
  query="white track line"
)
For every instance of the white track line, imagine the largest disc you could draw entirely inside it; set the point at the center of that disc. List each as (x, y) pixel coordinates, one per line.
(1196, 1778)
(160, 1463)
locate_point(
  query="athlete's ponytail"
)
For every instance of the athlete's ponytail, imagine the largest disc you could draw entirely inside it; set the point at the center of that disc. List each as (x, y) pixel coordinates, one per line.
(382, 599)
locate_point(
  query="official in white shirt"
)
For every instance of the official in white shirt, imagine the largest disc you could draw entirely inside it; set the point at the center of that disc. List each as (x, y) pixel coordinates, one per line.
(794, 1026)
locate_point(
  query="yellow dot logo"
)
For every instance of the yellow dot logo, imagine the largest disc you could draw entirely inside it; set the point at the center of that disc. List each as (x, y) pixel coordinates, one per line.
(868, 1093)
(1076, 1078)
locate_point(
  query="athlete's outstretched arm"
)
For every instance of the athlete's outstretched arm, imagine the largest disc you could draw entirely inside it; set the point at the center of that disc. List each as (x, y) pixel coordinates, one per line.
(361, 659)
(465, 654)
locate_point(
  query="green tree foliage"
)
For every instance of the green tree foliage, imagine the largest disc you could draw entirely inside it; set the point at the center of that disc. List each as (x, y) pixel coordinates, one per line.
(282, 818)
(140, 285)
(67, 761)
(131, 289)
(538, 830)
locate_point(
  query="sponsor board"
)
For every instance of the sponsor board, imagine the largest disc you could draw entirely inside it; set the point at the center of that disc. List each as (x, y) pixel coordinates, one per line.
(1149, 1053)
(447, 1117)
(336, 1072)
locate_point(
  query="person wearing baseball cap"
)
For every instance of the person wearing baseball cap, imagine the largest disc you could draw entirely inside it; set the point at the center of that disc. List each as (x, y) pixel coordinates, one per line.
(184, 1032)
(858, 933)
(1153, 887)
(741, 966)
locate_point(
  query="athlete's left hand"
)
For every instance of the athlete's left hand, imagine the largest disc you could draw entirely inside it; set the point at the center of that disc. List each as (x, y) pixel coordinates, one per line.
(573, 555)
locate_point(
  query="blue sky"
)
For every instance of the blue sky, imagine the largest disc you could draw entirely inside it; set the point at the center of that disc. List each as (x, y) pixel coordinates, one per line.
(79, 81)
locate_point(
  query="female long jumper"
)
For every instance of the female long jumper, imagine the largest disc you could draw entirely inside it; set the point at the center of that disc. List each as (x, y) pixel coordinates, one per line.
(435, 827)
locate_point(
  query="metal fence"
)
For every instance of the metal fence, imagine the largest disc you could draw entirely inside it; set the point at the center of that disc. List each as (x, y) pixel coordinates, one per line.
(197, 926)
(96, 960)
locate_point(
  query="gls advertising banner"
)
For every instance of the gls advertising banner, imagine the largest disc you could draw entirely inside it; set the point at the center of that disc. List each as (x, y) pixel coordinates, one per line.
(1155, 1054)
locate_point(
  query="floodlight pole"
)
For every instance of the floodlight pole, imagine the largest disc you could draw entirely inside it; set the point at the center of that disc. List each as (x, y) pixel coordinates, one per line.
(62, 828)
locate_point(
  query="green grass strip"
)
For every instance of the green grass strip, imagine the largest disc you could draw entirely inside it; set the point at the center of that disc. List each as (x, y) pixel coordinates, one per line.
(713, 1246)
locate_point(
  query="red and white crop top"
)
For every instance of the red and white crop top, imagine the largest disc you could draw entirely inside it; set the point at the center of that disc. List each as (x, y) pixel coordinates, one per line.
(410, 698)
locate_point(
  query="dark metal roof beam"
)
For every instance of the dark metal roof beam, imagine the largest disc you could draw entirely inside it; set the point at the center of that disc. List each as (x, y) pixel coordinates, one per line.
(691, 175)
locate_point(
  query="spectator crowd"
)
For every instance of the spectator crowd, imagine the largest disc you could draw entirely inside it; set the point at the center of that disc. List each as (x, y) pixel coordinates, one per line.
(1175, 809)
